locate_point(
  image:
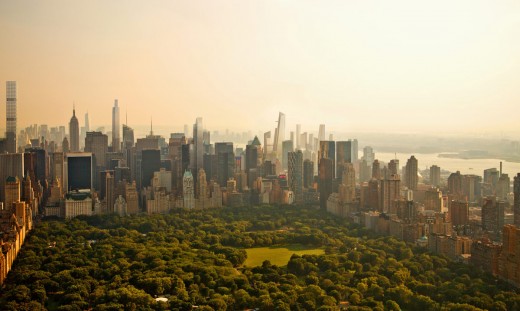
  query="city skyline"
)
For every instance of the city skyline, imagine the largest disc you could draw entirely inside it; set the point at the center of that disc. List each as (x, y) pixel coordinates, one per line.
(399, 67)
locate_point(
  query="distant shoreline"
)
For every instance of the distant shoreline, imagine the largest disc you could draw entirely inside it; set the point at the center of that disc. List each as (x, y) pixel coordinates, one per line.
(479, 157)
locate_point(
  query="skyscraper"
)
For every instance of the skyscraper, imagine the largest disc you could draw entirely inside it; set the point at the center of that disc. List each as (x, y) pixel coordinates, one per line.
(116, 129)
(10, 132)
(411, 178)
(74, 132)
(79, 171)
(287, 146)
(187, 190)
(295, 160)
(279, 135)
(435, 175)
(343, 156)
(298, 134)
(328, 151)
(198, 142)
(321, 133)
(325, 177)
(516, 200)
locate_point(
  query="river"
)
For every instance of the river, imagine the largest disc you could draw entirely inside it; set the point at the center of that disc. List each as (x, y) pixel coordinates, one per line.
(470, 166)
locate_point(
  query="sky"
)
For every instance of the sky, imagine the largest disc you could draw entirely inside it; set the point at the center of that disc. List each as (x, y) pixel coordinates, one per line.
(391, 66)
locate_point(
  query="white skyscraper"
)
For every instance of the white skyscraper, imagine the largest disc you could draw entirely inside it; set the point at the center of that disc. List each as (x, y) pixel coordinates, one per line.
(116, 129)
(11, 116)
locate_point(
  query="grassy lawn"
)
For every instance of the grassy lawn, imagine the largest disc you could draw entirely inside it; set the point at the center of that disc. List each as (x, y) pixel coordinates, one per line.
(277, 255)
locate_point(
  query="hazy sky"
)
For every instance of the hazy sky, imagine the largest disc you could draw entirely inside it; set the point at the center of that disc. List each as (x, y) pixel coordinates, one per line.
(354, 65)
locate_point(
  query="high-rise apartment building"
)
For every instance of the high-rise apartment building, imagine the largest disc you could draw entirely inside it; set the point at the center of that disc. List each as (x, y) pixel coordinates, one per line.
(493, 212)
(435, 175)
(74, 132)
(390, 190)
(10, 130)
(459, 213)
(188, 190)
(116, 128)
(328, 151)
(516, 200)
(411, 177)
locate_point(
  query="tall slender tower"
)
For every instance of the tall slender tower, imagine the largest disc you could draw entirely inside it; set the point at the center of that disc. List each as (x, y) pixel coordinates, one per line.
(279, 135)
(411, 178)
(321, 133)
(11, 116)
(87, 123)
(116, 129)
(516, 200)
(198, 140)
(74, 132)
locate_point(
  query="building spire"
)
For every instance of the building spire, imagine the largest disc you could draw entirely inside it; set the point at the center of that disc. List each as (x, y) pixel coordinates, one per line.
(73, 108)
(151, 126)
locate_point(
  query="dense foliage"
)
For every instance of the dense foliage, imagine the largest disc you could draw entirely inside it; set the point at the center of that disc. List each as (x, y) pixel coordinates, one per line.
(194, 258)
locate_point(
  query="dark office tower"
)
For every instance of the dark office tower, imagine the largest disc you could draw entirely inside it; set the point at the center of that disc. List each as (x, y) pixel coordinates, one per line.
(343, 155)
(122, 173)
(503, 186)
(251, 164)
(376, 170)
(149, 142)
(328, 151)
(411, 179)
(225, 162)
(373, 194)
(287, 146)
(198, 144)
(116, 129)
(79, 171)
(175, 144)
(435, 175)
(110, 191)
(455, 184)
(74, 132)
(325, 177)
(10, 132)
(151, 162)
(210, 167)
(295, 172)
(516, 200)
(35, 162)
(251, 157)
(269, 168)
(97, 143)
(308, 174)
